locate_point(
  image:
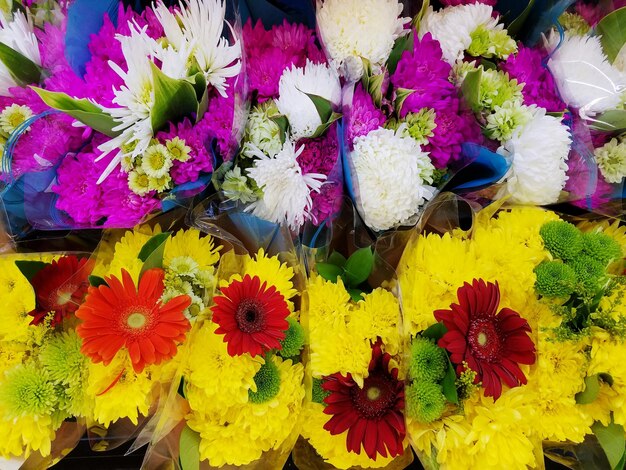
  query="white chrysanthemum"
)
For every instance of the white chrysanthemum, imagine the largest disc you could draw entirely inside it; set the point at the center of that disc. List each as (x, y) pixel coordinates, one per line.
(261, 131)
(355, 29)
(295, 83)
(453, 26)
(198, 26)
(539, 152)
(286, 191)
(18, 35)
(392, 172)
(611, 159)
(584, 76)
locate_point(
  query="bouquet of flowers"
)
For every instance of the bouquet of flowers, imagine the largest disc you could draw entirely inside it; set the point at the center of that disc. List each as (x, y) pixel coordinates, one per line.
(43, 398)
(503, 359)
(159, 100)
(587, 61)
(240, 388)
(288, 165)
(147, 288)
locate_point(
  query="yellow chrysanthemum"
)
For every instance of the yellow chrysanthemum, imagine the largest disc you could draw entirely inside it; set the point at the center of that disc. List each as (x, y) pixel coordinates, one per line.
(18, 299)
(613, 229)
(333, 448)
(20, 437)
(561, 419)
(600, 409)
(191, 243)
(118, 392)
(270, 269)
(328, 304)
(11, 354)
(217, 380)
(378, 315)
(614, 305)
(127, 250)
(561, 367)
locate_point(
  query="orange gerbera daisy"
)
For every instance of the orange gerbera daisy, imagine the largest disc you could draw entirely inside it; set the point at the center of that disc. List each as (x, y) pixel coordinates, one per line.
(118, 315)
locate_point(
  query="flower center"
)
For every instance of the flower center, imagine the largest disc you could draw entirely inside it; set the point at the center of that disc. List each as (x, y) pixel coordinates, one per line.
(484, 338)
(136, 320)
(377, 396)
(64, 297)
(59, 299)
(250, 316)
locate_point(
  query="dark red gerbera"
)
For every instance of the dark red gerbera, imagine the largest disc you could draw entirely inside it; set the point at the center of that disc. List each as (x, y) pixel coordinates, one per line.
(372, 415)
(252, 316)
(60, 287)
(492, 343)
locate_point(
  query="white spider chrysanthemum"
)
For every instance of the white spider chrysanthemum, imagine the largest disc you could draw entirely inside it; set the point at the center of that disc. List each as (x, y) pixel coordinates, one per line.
(453, 27)
(18, 35)
(198, 27)
(355, 29)
(584, 76)
(392, 172)
(286, 191)
(295, 83)
(539, 152)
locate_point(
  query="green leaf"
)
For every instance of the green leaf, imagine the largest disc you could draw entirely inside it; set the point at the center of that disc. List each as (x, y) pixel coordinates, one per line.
(590, 393)
(23, 70)
(152, 252)
(200, 86)
(97, 281)
(435, 331)
(355, 294)
(487, 64)
(401, 95)
(173, 99)
(359, 266)
(30, 268)
(83, 110)
(403, 43)
(471, 88)
(337, 259)
(283, 124)
(375, 88)
(417, 19)
(189, 449)
(609, 121)
(323, 106)
(516, 25)
(612, 29)
(611, 439)
(448, 384)
(324, 127)
(329, 271)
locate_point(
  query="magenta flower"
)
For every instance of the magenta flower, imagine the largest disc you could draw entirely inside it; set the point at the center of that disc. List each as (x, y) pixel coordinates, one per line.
(363, 115)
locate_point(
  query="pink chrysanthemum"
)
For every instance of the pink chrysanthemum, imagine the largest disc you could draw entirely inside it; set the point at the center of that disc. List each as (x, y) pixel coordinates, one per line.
(591, 13)
(527, 67)
(363, 116)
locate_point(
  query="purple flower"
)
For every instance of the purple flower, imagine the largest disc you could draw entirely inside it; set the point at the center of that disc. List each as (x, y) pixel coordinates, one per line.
(363, 115)
(424, 71)
(319, 155)
(327, 202)
(591, 13)
(539, 88)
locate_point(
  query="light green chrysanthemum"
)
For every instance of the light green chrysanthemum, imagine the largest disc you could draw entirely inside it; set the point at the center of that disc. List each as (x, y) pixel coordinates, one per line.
(318, 393)
(236, 187)
(294, 339)
(496, 89)
(418, 125)
(611, 159)
(156, 161)
(601, 247)
(178, 149)
(12, 116)
(62, 359)
(506, 119)
(589, 272)
(184, 266)
(267, 381)
(562, 239)
(425, 401)
(261, 131)
(555, 279)
(574, 24)
(491, 43)
(28, 390)
(427, 361)
(139, 182)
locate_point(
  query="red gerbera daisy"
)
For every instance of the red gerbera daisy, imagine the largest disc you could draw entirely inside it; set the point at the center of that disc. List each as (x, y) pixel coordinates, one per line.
(492, 343)
(59, 288)
(117, 315)
(252, 316)
(372, 415)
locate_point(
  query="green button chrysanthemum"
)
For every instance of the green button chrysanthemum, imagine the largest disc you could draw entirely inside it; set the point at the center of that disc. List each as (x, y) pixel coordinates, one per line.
(267, 381)
(589, 272)
(555, 279)
(562, 239)
(28, 390)
(294, 339)
(601, 247)
(427, 361)
(317, 392)
(425, 401)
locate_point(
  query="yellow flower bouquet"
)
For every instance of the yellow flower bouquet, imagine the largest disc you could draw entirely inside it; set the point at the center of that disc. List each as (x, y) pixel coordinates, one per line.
(510, 326)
